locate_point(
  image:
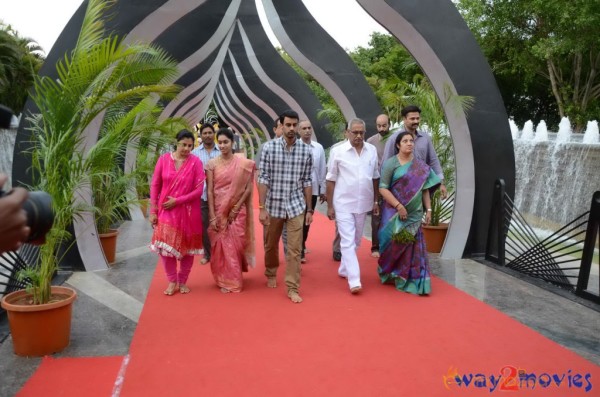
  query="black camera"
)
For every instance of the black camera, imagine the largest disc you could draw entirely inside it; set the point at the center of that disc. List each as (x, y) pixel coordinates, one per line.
(40, 216)
(38, 206)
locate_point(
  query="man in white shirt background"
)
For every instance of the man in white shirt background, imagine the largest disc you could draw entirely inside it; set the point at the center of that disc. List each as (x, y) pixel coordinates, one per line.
(318, 173)
(352, 188)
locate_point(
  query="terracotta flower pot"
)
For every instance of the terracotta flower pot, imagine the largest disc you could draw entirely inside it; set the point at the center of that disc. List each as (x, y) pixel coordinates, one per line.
(109, 244)
(39, 330)
(435, 237)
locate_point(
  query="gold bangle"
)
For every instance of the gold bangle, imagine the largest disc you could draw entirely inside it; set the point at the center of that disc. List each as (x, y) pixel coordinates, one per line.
(261, 206)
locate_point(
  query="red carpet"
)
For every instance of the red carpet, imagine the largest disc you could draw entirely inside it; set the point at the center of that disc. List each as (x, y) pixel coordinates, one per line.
(380, 343)
(71, 377)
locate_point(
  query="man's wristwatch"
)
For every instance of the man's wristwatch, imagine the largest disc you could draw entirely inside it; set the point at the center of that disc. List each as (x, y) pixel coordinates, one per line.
(310, 210)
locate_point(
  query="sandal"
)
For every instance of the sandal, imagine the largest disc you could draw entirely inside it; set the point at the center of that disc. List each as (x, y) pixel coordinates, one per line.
(170, 289)
(184, 289)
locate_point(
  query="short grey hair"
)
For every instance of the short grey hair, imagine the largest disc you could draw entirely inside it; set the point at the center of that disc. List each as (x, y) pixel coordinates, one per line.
(356, 121)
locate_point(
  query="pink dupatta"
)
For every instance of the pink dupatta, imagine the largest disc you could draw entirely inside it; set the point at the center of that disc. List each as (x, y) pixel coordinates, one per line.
(179, 230)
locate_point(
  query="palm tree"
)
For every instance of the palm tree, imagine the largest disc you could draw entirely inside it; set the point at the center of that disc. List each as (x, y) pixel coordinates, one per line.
(20, 60)
(100, 77)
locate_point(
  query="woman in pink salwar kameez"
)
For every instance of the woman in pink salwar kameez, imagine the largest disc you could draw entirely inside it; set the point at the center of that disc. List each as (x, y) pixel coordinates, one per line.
(231, 230)
(175, 212)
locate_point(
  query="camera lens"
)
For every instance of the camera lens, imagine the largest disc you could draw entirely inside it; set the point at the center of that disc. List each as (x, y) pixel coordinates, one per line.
(39, 214)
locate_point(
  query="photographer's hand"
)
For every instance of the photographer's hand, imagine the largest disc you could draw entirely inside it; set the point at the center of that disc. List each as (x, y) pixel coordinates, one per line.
(13, 219)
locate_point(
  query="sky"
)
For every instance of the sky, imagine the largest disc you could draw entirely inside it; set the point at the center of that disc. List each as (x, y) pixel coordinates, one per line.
(44, 20)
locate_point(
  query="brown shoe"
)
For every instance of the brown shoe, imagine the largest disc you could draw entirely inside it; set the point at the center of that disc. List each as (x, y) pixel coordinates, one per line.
(355, 290)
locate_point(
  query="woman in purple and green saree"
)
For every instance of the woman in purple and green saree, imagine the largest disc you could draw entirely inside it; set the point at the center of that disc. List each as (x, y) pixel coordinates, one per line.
(405, 186)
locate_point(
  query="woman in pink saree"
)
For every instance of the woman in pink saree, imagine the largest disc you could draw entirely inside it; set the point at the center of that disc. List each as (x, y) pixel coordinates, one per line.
(175, 214)
(231, 229)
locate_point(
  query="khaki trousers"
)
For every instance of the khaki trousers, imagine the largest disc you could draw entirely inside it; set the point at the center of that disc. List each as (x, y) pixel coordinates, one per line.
(293, 228)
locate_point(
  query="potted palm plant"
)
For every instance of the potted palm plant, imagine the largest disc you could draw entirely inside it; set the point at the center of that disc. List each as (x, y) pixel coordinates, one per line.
(100, 73)
(111, 202)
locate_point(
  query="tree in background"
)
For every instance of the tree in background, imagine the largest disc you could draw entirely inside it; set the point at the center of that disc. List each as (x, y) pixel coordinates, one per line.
(20, 61)
(541, 49)
(384, 58)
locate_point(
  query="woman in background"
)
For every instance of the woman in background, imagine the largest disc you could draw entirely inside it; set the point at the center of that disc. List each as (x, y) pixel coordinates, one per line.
(175, 214)
(405, 186)
(231, 229)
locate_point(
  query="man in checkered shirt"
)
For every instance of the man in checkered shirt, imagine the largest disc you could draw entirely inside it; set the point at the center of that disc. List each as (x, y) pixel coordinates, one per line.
(285, 192)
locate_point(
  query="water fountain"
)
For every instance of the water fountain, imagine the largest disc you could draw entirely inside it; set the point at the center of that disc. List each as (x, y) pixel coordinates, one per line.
(541, 132)
(591, 135)
(556, 177)
(564, 131)
(527, 134)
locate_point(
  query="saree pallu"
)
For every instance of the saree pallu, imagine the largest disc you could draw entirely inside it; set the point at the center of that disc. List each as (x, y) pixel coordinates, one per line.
(405, 264)
(232, 247)
(178, 232)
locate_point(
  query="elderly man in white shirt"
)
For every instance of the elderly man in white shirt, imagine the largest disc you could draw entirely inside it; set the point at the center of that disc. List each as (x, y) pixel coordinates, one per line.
(352, 185)
(318, 172)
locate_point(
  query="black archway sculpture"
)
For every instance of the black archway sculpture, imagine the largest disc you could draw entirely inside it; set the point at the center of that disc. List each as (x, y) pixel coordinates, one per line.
(224, 55)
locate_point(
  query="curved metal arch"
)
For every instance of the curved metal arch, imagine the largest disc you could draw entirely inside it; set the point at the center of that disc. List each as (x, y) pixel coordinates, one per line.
(333, 68)
(221, 103)
(238, 107)
(249, 92)
(258, 122)
(482, 141)
(484, 135)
